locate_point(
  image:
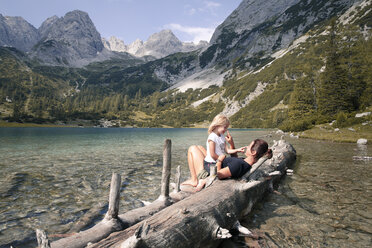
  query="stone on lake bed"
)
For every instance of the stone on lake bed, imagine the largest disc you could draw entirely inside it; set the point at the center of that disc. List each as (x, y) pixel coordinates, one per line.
(362, 141)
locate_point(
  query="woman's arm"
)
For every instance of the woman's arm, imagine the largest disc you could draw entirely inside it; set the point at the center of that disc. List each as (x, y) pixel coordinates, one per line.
(233, 151)
(222, 172)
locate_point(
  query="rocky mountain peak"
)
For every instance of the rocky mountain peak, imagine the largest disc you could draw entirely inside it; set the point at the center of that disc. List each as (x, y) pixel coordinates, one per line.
(75, 24)
(69, 39)
(158, 45)
(17, 32)
(164, 36)
(256, 29)
(114, 44)
(47, 24)
(251, 13)
(133, 47)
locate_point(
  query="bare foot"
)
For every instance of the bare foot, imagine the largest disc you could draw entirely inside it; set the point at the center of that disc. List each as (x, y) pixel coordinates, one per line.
(200, 185)
(190, 182)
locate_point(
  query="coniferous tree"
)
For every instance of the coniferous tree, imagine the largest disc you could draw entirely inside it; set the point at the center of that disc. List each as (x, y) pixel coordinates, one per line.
(352, 61)
(302, 100)
(125, 102)
(332, 95)
(366, 51)
(16, 111)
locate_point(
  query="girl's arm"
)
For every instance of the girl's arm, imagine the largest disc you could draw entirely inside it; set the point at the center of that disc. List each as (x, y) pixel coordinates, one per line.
(212, 151)
(230, 140)
(219, 161)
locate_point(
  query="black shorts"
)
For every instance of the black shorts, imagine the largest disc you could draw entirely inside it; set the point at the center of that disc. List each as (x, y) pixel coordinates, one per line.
(207, 166)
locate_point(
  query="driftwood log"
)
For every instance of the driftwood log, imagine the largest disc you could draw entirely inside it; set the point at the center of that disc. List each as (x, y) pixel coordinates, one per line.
(198, 221)
(205, 218)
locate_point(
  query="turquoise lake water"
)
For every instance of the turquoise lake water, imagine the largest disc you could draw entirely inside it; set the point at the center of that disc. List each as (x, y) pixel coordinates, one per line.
(50, 177)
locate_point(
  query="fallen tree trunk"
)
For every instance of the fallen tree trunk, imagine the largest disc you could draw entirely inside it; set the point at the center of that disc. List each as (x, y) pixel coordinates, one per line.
(206, 217)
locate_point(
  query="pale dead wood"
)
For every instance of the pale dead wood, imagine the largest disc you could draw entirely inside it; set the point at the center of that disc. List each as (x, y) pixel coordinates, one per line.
(42, 239)
(167, 156)
(114, 197)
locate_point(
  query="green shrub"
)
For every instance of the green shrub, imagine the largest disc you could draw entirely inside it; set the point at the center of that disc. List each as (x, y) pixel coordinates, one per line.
(341, 120)
(296, 126)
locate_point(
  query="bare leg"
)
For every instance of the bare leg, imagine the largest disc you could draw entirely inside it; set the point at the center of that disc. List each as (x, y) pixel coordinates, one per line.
(202, 149)
(195, 158)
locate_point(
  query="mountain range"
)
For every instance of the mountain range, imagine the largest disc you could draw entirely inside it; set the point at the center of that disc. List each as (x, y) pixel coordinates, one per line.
(250, 55)
(73, 40)
(158, 45)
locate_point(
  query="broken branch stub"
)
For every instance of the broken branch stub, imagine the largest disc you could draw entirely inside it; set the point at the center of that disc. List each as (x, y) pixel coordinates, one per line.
(42, 239)
(114, 198)
(166, 169)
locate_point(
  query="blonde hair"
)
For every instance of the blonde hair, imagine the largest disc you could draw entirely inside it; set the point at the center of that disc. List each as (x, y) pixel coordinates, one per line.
(218, 120)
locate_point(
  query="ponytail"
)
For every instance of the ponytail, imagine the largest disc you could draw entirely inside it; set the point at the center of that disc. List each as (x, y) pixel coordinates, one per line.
(269, 153)
(261, 148)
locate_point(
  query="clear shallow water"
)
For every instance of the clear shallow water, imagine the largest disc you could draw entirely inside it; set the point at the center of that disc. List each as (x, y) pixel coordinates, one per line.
(50, 177)
(326, 203)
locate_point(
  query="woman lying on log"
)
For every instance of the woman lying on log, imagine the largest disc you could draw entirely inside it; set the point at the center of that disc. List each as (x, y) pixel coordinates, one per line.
(233, 167)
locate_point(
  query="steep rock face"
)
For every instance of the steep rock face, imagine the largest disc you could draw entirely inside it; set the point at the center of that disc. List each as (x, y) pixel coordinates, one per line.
(134, 46)
(257, 28)
(18, 33)
(250, 13)
(47, 24)
(114, 44)
(71, 40)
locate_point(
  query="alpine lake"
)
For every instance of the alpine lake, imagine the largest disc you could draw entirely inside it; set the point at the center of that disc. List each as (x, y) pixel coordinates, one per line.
(51, 177)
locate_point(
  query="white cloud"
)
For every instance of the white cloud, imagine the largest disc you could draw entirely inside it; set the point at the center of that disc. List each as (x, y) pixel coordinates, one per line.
(195, 33)
(205, 6)
(210, 4)
(191, 11)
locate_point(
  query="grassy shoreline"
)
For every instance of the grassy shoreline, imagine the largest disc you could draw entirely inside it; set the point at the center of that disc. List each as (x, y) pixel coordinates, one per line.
(319, 132)
(17, 124)
(347, 134)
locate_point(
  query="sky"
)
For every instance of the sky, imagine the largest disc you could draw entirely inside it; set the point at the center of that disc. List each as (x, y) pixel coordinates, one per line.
(190, 20)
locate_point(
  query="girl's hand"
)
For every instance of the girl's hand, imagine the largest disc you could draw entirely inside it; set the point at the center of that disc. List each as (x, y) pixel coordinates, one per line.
(221, 157)
(229, 138)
